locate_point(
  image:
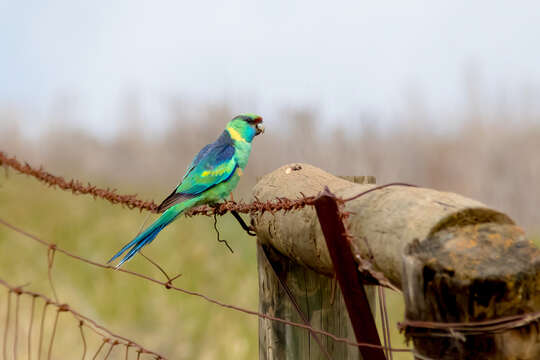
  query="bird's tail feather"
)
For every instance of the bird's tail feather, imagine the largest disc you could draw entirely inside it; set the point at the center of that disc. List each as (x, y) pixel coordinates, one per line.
(146, 237)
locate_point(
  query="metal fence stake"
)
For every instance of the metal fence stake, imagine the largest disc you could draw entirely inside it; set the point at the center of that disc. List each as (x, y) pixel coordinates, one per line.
(347, 275)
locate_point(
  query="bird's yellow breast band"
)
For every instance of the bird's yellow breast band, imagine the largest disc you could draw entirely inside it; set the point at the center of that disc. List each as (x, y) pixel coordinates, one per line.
(235, 135)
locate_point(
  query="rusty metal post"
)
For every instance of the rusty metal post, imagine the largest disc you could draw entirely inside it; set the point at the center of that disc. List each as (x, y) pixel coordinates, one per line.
(347, 275)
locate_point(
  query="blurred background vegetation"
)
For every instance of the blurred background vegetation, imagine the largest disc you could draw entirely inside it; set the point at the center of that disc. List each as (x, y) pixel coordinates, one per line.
(484, 156)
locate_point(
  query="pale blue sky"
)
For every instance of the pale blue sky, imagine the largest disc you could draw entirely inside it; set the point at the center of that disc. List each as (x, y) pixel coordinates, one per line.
(342, 56)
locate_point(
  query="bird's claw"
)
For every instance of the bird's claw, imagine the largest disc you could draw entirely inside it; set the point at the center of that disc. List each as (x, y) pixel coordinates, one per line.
(250, 230)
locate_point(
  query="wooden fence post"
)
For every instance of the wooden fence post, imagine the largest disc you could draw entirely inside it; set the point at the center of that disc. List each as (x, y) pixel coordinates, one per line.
(469, 275)
(319, 298)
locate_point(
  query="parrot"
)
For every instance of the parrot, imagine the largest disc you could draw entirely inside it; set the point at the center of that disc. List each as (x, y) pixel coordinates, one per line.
(212, 175)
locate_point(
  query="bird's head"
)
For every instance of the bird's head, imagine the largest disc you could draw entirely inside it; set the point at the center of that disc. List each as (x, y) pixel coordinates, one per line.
(245, 127)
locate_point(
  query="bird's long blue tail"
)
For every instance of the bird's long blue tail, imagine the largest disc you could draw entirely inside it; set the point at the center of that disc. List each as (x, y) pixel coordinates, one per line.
(146, 237)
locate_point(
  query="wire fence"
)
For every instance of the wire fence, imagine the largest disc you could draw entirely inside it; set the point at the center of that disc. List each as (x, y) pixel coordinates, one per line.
(52, 249)
(107, 337)
(133, 202)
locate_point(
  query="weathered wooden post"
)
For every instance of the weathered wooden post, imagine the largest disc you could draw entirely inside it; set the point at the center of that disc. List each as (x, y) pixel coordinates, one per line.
(456, 261)
(317, 298)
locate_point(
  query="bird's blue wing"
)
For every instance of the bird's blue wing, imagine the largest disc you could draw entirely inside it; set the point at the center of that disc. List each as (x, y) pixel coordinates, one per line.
(197, 159)
(174, 197)
(214, 164)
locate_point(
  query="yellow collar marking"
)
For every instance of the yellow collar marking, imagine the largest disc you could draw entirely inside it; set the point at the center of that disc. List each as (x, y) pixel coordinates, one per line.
(235, 135)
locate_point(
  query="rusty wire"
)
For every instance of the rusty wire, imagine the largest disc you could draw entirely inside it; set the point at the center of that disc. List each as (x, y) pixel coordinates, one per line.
(461, 329)
(8, 311)
(60, 309)
(41, 327)
(81, 324)
(17, 306)
(30, 326)
(83, 321)
(131, 201)
(168, 285)
(75, 186)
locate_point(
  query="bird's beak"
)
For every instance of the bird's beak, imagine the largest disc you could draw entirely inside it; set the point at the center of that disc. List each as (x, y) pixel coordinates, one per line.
(259, 128)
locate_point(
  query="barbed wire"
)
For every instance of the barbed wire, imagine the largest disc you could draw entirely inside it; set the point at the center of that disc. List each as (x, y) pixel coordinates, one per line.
(168, 285)
(132, 201)
(75, 186)
(108, 337)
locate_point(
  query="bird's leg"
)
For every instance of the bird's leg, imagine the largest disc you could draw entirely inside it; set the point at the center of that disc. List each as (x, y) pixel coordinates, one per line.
(232, 197)
(249, 229)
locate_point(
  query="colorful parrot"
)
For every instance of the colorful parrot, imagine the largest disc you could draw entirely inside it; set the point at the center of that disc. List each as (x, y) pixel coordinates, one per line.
(210, 177)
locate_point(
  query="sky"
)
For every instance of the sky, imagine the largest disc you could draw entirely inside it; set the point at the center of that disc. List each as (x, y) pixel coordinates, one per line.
(342, 57)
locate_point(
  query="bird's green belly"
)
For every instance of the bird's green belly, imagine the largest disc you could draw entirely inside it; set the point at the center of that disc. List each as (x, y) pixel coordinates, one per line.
(221, 190)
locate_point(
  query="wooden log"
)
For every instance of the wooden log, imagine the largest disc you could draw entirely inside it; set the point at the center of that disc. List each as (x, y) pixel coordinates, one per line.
(469, 274)
(455, 259)
(319, 298)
